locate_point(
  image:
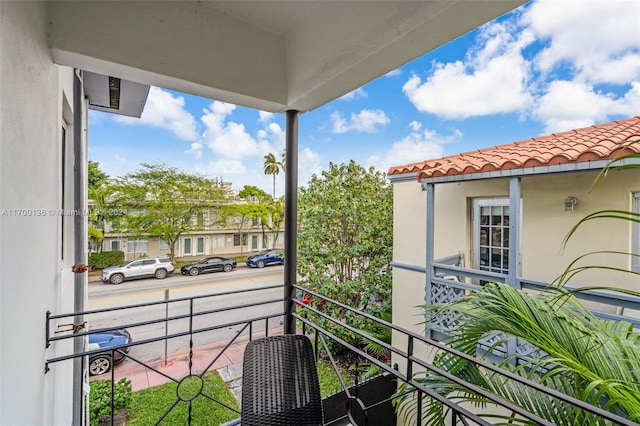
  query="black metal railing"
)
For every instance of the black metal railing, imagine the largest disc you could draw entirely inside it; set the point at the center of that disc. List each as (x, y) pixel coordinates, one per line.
(201, 320)
(414, 361)
(191, 321)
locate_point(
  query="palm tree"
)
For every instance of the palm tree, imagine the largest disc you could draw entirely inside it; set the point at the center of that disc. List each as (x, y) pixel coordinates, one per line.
(272, 167)
(596, 361)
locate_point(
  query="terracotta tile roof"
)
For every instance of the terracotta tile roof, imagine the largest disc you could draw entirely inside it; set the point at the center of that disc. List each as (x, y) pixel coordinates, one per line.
(598, 142)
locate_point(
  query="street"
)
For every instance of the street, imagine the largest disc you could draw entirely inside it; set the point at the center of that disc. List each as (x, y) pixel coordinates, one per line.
(176, 286)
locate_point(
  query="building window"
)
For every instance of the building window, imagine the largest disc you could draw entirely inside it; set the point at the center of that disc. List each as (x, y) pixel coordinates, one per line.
(163, 245)
(280, 238)
(200, 219)
(138, 245)
(236, 240)
(217, 241)
(187, 246)
(115, 245)
(200, 243)
(635, 247)
(491, 235)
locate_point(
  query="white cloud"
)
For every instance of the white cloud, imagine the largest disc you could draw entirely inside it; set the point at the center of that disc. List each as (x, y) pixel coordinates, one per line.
(273, 135)
(309, 164)
(366, 121)
(571, 104)
(600, 39)
(418, 146)
(264, 116)
(492, 80)
(119, 158)
(226, 167)
(359, 93)
(165, 111)
(586, 70)
(395, 73)
(195, 150)
(228, 138)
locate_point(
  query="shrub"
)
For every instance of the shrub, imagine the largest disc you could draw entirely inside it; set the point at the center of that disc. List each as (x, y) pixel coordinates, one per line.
(100, 398)
(105, 259)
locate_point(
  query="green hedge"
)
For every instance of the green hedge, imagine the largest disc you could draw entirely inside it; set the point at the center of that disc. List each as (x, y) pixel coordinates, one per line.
(105, 259)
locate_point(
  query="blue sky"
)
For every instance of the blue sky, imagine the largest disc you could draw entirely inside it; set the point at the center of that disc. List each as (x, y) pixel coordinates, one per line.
(546, 67)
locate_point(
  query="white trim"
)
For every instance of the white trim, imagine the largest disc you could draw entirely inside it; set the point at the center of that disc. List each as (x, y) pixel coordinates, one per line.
(478, 203)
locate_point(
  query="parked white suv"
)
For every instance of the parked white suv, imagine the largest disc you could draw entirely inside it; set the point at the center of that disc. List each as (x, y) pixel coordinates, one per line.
(146, 267)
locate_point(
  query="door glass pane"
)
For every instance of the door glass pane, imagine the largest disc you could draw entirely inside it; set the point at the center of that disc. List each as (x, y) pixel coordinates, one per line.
(187, 246)
(484, 215)
(493, 236)
(484, 236)
(200, 245)
(484, 256)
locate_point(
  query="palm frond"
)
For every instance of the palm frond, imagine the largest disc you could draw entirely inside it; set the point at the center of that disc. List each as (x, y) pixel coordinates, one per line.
(575, 353)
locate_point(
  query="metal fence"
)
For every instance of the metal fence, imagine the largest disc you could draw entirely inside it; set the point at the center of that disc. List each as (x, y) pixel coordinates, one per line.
(194, 322)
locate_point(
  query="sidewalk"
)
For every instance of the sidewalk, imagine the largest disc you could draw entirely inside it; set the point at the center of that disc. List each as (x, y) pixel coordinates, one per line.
(228, 365)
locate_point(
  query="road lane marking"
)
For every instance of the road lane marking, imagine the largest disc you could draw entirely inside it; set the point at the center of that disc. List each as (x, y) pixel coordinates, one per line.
(187, 288)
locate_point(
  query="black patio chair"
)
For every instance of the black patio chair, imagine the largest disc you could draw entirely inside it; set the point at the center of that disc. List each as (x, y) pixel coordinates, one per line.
(280, 383)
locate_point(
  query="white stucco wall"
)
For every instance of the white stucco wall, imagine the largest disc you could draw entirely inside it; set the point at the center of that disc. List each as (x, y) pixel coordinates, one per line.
(33, 277)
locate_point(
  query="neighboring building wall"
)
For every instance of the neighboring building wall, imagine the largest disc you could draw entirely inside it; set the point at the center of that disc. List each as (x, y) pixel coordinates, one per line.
(545, 224)
(35, 99)
(409, 234)
(215, 244)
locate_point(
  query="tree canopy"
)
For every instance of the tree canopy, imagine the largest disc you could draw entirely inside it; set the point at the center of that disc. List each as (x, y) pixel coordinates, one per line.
(162, 201)
(346, 234)
(271, 211)
(96, 176)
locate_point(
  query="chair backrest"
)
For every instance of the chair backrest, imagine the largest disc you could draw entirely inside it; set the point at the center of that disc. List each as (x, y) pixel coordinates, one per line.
(280, 383)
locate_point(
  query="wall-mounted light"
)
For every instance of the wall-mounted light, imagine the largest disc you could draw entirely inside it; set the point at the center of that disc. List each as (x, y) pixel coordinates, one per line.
(570, 204)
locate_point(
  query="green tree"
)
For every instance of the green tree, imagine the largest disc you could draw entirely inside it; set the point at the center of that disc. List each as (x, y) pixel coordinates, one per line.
(238, 215)
(162, 201)
(271, 211)
(262, 201)
(96, 176)
(272, 167)
(98, 190)
(345, 240)
(95, 238)
(276, 213)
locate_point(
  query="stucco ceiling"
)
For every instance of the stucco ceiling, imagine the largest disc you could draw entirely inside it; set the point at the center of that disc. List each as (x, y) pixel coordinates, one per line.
(269, 54)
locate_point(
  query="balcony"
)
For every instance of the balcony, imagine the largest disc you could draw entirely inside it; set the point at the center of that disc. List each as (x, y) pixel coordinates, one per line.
(193, 324)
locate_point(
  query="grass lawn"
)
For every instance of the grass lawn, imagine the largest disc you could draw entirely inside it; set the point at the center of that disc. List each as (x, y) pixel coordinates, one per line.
(149, 405)
(329, 382)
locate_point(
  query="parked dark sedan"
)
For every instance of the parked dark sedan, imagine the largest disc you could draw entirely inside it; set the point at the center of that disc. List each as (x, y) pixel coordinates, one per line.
(209, 264)
(103, 362)
(267, 257)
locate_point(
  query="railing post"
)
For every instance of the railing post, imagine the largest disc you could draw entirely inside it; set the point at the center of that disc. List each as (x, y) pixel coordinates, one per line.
(429, 252)
(80, 241)
(409, 355)
(515, 267)
(166, 325)
(290, 220)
